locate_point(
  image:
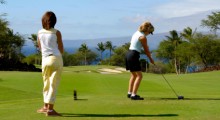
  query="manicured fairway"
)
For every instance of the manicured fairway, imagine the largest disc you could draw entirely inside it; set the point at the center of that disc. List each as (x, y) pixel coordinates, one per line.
(103, 96)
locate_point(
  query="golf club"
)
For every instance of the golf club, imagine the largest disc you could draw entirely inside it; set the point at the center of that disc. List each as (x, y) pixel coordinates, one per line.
(178, 96)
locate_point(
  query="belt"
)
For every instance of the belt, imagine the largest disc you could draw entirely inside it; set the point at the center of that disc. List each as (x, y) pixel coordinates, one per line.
(135, 51)
(49, 55)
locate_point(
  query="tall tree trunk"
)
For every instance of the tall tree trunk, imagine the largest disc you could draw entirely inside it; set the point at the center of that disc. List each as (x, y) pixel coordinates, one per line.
(110, 57)
(175, 60)
(35, 60)
(179, 66)
(186, 69)
(101, 55)
(85, 59)
(175, 65)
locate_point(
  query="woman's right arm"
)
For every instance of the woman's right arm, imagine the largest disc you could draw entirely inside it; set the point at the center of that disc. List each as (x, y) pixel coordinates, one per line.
(146, 48)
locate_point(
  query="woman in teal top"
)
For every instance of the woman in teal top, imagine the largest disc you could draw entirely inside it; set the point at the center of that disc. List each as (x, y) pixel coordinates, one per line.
(138, 41)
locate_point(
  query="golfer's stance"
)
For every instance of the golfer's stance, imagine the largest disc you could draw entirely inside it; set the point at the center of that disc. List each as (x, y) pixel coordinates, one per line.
(138, 41)
(51, 46)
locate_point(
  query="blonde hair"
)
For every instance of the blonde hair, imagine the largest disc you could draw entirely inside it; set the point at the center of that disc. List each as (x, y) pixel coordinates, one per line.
(146, 27)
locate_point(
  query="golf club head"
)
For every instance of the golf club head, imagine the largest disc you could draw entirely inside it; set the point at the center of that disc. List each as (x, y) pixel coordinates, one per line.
(180, 97)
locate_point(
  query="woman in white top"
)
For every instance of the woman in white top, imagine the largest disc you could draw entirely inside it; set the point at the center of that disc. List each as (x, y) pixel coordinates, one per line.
(51, 46)
(138, 41)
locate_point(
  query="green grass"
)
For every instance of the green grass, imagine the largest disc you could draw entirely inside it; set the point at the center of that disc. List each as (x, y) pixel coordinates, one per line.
(103, 96)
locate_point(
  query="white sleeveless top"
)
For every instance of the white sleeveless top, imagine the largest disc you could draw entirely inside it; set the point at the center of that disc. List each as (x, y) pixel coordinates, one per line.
(48, 41)
(135, 42)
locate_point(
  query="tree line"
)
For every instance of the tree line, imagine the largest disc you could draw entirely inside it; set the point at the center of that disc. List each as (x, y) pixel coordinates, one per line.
(177, 53)
(188, 48)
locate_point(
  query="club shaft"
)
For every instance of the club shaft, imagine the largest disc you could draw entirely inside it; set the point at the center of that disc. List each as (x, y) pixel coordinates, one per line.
(170, 85)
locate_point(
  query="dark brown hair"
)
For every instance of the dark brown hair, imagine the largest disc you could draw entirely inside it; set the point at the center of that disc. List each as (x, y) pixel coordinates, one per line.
(49, 20)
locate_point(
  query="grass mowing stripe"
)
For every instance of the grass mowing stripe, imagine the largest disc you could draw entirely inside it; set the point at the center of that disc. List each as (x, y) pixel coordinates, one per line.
(103, 96)
(9, 94)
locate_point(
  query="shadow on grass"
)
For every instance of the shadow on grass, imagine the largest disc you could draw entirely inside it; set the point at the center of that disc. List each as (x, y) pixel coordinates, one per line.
(117, 115)
(201, 98)
(183, 99)
(80, 99)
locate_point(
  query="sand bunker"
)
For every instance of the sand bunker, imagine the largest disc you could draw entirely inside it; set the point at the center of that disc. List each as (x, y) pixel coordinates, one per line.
(111, 71)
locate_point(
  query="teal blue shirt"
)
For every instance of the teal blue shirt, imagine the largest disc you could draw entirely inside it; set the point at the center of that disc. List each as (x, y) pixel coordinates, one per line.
(135, 42)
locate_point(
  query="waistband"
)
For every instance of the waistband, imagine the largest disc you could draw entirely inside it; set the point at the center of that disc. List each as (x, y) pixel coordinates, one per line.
(134, 51)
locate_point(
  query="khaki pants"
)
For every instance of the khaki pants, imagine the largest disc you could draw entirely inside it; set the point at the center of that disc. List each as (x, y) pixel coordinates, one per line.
(51, 71)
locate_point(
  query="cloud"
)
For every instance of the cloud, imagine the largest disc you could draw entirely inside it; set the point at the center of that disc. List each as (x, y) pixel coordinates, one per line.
(134, 19)
(138, 19)
(178, 8)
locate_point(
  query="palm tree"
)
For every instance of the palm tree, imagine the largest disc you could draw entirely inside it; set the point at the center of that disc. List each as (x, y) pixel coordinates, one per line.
(3, 33)
(14, 43)
(33, 38)
(11, 45)
(212, 22)
(3, 26)
(188, 35)
(108, 45)
(175, 40)
(84, 49)
(101, 48)
(126, 46)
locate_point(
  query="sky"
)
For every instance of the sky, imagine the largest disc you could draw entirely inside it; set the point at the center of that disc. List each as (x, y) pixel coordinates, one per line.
(91, 19)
